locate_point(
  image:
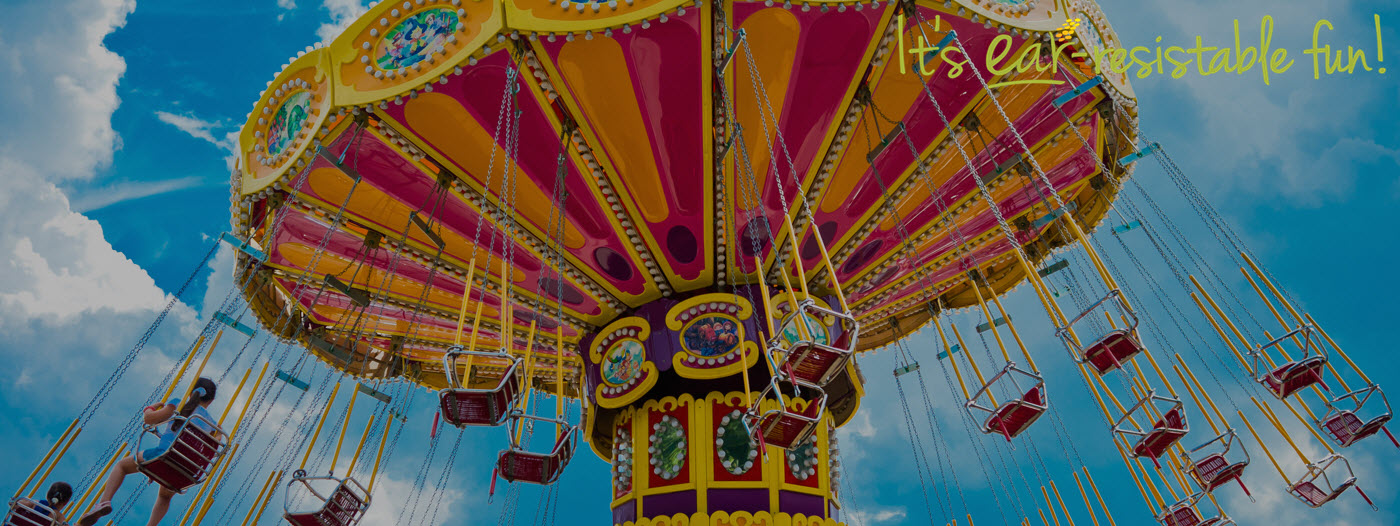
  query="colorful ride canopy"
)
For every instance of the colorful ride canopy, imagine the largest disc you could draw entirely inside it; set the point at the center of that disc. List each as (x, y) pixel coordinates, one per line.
(399, 124)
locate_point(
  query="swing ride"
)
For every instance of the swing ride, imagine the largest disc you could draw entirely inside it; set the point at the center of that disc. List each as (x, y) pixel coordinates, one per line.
(683, 221)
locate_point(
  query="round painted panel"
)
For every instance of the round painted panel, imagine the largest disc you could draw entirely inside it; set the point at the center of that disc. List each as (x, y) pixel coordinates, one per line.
(712, 335)
(815, 330)
(290, 117)
(623, 362)
(416, 38)
(667, 448)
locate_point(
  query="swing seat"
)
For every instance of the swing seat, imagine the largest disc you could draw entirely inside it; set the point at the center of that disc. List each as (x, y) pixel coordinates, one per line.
(1016, 416)
(1110, 351)
(1314, 496)
(1347, 428)
(1215, 471)
(1294, 376)
(1165, 433)
(188, 460)
(482, 407)
(518, 465)
(22, 513)
(1186, 516)
(816, 364)
(343, 508)
(786, 427)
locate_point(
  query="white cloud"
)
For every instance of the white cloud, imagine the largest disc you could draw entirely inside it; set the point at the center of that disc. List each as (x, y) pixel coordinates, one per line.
(205, 130)
(878, 517)
(127, 191)
(342, 12)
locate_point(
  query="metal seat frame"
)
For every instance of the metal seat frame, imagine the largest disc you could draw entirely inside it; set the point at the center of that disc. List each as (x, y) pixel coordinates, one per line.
(761, 422)
(848, 325)
(348, 484)
(1264, 374)
(1185, 512)
(1360, 399)
(175, 455)
(23, 513)
(1125, 427)
(1078, 350)
(975, 406)
(1226, 450)
(1319, 471)
(455, 389)
(564, 446)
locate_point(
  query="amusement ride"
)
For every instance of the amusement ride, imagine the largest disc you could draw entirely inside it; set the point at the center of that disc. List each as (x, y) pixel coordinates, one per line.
(664, 232)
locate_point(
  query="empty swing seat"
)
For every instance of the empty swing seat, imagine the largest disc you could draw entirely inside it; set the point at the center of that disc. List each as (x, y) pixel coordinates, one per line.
(1215, 471)
(817, 363)
(1314, 496)
(518, 465)
(786, 427)
(481, 407)
(22, 513)
(1111, 351)
(1186, 516)
(1347, 428)
(188, 459)
(1013, 417)
(343, 508)
(1166, 432)
(1294, 376)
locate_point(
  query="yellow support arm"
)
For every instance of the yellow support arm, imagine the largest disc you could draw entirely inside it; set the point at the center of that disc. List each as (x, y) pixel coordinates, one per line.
(48, 456)
(314, 435)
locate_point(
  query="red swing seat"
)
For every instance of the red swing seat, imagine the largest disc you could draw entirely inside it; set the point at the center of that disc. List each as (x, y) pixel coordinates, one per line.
(189, 458)
(1215, 471)
(1165, 433)
(1187, 516)
(1291, 377)
(785, 427)
(517, 465)
(1015, 416)
(22, 513)
(344, 507)
(480, 407)
(1314, 496)
(1347, 428)
(1109, 352)
(817, 363)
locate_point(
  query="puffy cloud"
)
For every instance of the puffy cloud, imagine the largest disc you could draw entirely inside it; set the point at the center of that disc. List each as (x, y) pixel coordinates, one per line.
(342, 12)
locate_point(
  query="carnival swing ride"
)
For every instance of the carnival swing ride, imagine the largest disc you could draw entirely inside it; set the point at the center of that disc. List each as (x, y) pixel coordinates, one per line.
(683, 221)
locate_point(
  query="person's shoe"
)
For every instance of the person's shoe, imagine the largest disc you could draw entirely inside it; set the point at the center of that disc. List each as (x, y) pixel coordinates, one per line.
(95, 515)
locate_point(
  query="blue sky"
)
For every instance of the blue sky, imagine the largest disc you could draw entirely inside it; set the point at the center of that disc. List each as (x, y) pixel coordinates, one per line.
(114, 171)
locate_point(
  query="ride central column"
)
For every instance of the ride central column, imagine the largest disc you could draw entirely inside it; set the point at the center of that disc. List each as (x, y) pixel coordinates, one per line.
(667, 385)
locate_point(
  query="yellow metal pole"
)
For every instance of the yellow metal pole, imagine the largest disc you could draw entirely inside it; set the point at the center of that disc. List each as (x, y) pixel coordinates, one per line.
(350, 472)
(831, 270)
(261, 495)
(265, 502)
(559, 379)
(968, 354)
(1095, 486)
(209, 495)
(251, 393)
(1142, 488)
(228, 406)
(384, 439)
(61, 452)
(466, 295)
(798, 318)
(767, 308)
(202, 363)
(1228, 342)
(344, 428)
(1302, 345)
(47, 456)
(991, 322)
(1269, 414)
(169, 390)
(1308, 425)
(1281, 298)
(529, 374)
(1213, 428)
(1338, 348)
(1025, 522)
(208, 484)
(1050, 505)
(319, 425)
(1262, 446)
(1204, 394)
(1014, 334)
(96, 484)
(1216, 307)
(1064, 508)
(952, 359)
(1085, 495)
(796, 256)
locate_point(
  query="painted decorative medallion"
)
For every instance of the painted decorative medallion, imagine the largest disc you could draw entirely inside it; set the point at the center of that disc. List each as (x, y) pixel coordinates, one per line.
(623, 362)
(802, 460)
(416, 38)
(290, 118)
(667, 448)
(815, 330)
(734, 445)
(713, 335)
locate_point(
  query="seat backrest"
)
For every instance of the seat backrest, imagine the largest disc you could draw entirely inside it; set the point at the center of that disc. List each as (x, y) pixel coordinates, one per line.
(1035, 396)
(1344, 424)
(23, 516)
(1310, 492)
(1209, 466)
(1171, 420)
